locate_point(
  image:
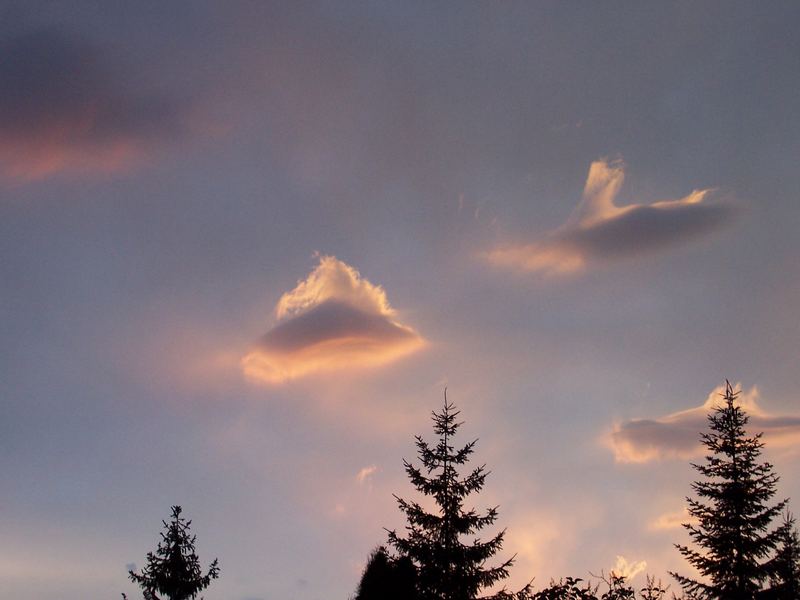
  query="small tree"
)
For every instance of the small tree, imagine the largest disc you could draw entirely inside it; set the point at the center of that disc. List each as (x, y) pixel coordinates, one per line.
(785, 579)
(173, 571)
(387, 578)
(732, 513)
(447, 567)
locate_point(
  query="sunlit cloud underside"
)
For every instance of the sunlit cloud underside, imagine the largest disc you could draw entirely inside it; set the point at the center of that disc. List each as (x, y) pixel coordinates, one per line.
(333, 320)
(599, 231)
(677, 436)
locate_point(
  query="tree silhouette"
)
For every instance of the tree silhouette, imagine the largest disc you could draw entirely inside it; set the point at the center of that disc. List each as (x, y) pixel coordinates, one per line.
(570, 588)
(785, 579)
(618, 588)
(447, 567)
(653, 590)
(173, 571)
(387, 578)
(732, 513)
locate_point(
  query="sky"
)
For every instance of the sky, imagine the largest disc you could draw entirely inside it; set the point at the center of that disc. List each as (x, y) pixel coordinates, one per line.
(245, 247)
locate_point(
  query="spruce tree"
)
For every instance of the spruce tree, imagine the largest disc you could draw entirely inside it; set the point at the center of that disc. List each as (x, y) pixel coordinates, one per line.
(173, 572)
(732, 511)
(785, 578)
(448, 567)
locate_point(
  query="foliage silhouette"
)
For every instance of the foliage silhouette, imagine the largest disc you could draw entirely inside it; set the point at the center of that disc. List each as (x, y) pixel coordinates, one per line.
(732, 513)
(785, 578)
(618, 588)
(573, 588)
(653, 589)
(173, 571)
(387, 578)
(447, 567)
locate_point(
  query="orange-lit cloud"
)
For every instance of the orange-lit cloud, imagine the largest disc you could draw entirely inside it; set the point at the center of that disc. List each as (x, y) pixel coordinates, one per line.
(364, 474)
(671, 520)
(628, 570)
(600, 231)
(333, 320)
(545, 539)
(65, 108)
(677, 436)
(537, 542)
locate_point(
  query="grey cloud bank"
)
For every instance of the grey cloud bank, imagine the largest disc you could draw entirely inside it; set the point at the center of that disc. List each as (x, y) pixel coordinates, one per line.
(66, 106)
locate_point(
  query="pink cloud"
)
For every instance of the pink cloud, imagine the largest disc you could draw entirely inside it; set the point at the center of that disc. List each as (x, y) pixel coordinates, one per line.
(333, 320)
(599, 231)
(677, 435)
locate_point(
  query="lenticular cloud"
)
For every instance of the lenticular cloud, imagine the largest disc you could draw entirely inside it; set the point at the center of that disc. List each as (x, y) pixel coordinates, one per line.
(599, 231)
(677, 436)
(334, 319)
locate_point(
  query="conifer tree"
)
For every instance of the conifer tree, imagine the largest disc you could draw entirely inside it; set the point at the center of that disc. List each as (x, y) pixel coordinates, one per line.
(173, 572)
(448, 567)
(732, 511)
(785, 579)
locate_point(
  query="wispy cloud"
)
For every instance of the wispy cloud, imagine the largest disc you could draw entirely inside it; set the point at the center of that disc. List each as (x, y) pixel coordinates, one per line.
(600, 231)
(335, 319)
(677, 436)
(628, 570)
(671, 520)
(364, 474)
(66, 108)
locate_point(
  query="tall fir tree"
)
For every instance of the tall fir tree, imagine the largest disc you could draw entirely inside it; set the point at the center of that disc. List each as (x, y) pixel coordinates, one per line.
(448, 568)
(173, 571)
(732, 512)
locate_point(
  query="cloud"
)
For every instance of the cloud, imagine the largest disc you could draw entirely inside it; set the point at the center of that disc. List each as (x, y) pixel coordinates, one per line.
(677, 436)
(628, 570)
(333, 320)
(671, 520)
(538, 542)
(65, 107)
(365, 473)
(599, 231)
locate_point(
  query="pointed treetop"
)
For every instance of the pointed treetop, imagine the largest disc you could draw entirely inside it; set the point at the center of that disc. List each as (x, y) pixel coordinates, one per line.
(173, 570)
(731, 511)
(449, 567)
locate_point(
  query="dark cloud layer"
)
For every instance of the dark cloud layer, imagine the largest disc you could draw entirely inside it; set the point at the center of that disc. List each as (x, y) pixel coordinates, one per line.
(333, 320)
(646, 229)
(64, 106)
